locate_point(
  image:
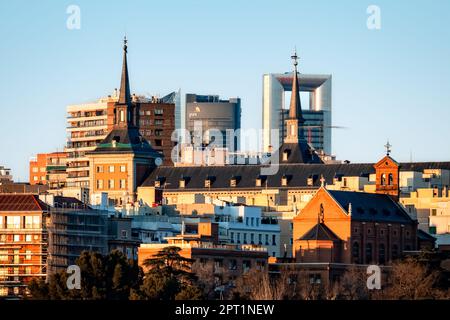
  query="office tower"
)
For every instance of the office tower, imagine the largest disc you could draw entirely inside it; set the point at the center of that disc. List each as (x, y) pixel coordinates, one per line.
(317, 116)
(213, 113)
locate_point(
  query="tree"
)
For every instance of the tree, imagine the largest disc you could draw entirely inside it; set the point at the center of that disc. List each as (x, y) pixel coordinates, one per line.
(169, 277)
(102, 277)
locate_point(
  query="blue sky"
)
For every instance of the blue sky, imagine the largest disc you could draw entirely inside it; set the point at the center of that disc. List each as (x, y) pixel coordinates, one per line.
(389, 83)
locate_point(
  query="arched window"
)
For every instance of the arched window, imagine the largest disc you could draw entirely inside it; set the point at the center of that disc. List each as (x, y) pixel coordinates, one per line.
(381, 254)
(383, 179)
(390, 179)
(394, 252)
(369, 253)
(355, 252)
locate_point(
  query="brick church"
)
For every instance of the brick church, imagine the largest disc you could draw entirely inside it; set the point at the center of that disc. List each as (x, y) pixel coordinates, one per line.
(356, 227)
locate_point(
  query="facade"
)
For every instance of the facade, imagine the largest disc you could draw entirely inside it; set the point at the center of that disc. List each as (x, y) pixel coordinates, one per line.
(72, 228)
(156, 122)
(49, 169)
(317, 117)
(87, 125)
(212, 113)
(241, 224)
(120, 236)
(23, 242)
(5, 175)
(121, 161)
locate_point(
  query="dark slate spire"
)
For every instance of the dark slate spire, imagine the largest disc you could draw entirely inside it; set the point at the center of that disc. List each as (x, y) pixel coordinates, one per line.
(124, 94)
(295, 108)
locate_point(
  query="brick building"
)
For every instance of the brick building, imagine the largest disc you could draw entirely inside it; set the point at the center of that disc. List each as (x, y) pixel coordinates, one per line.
(23, 243)
(356, 227)
(49, 169)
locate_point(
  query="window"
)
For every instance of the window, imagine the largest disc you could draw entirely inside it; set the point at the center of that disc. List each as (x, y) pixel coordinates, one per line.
(232, 237)
(246, 265)
(383, 179)
(111, 184)
(252, 238)
(17, 238)
(159, 112)
(267, 239)
(124, 234)
(246, 221)
(122, 116)
(284, 181)
(232, 265)
(3, 256)
(158, 132)
(274, 238)
(35, 169)
(245, 238)
(390, 179)
(433, 212)
(28, 255)
(35, 178)
(2, 222)
(111, 168)
(355, 252)
(252, 220)
(28, 238)
(148, 112)
(394, 252)
(99, 184)
(369, 253)
(122, 184)
(260, 238)
(123, 168)
(13, 222)
(238, 238)
(99, 169)
(381, 254)
(159, 122)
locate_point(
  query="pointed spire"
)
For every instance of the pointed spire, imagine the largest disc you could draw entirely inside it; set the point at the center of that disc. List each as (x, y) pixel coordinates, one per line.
(295, 108)
(124, 93)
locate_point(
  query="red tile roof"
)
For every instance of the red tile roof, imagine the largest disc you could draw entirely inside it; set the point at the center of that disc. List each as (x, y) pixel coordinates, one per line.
(21, 202)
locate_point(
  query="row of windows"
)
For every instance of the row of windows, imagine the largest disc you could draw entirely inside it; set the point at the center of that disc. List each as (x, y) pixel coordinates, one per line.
(111, 184)
(232, 264)
(158, 112)
(111, 168)
(18, 237)
(148, 122)
(369, 252)
(20, 222)
(260, 239)
(4, 256)
(382, 232)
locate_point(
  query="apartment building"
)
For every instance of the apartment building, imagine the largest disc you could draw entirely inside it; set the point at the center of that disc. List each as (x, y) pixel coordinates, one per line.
(23, 243)
(5, 175)
(87, 125)
(49, 169)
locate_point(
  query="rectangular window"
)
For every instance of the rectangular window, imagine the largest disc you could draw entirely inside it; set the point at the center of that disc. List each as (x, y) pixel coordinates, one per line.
(159, 122)
(274, 237)
(158, 112)
(28, 255)
(99, 184)
(123, 168)
(13, 222)
(245, 238)
(260, 238)
(267, 239)
(28, 238)
(36, 222)
(232, 237)
(99, 169)
(28, 222)
(111, 168)
(17, 238)
(3, 256)
(2, 221)
(111, 184)
(124, 234)
(122, 184)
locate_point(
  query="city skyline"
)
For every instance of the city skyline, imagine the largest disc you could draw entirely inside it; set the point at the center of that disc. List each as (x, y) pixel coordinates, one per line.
(48, 67)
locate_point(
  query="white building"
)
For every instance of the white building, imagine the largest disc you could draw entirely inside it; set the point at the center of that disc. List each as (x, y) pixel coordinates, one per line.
(240, 224)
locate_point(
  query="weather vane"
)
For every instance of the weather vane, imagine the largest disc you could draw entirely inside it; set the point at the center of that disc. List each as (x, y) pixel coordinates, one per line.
(125, 41)
(294, 57)
(388, 147)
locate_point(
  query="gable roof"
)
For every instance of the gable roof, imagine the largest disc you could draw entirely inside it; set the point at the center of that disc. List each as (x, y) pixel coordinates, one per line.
(298, 172)
(22, 202)
(320, 232)
(371, 207)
